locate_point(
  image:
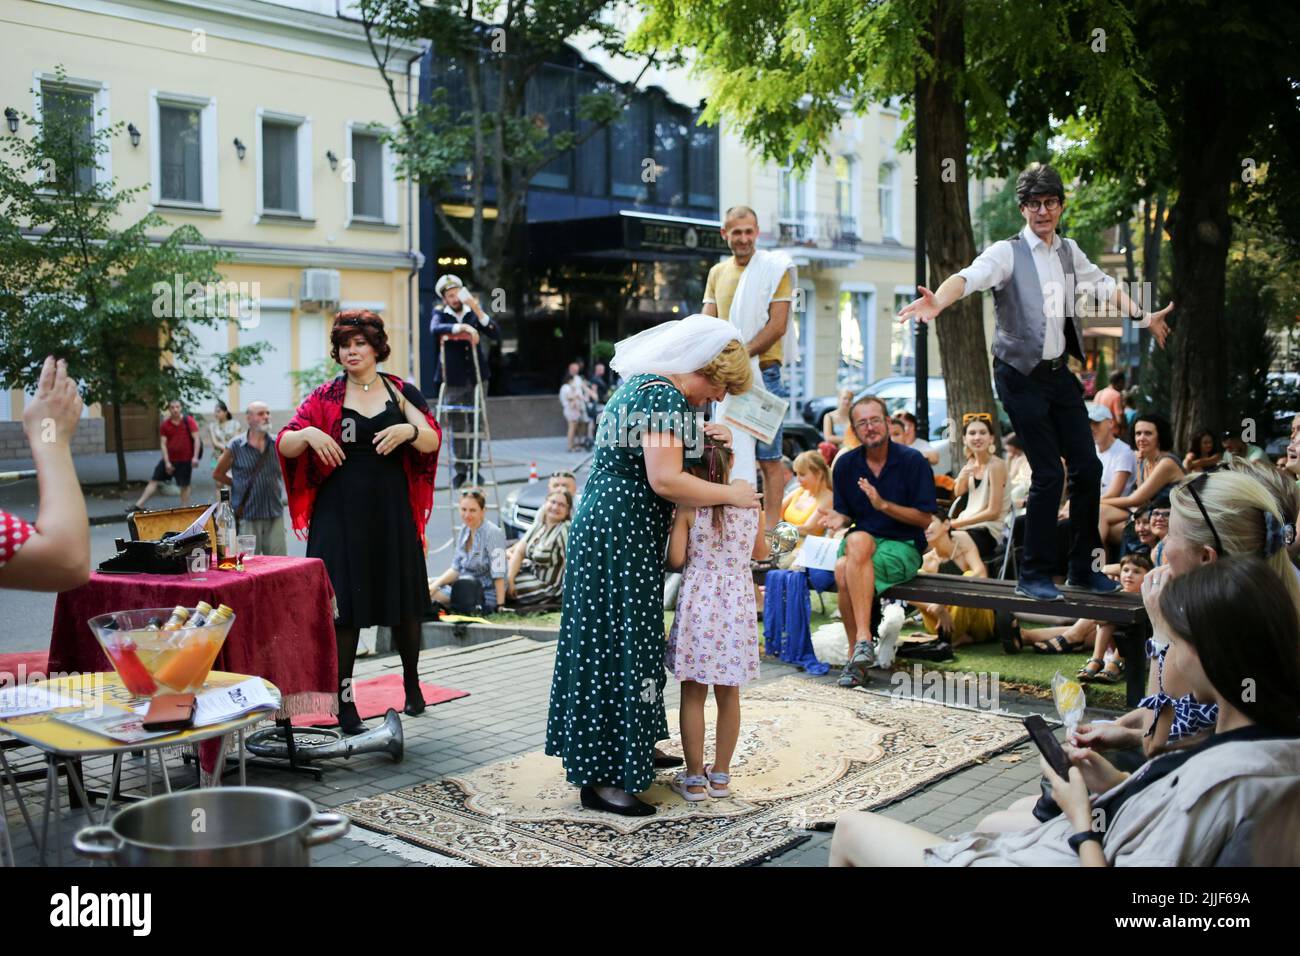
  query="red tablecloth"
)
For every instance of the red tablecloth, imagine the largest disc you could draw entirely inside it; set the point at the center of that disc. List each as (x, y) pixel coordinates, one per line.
(283, 630)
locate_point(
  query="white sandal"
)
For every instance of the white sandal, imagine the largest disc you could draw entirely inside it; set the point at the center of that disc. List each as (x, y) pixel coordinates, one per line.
(717, 782)
(683, 782)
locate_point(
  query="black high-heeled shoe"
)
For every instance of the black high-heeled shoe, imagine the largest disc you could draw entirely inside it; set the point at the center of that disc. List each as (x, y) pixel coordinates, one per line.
(594, 801)
(414, 699)
(349, 720)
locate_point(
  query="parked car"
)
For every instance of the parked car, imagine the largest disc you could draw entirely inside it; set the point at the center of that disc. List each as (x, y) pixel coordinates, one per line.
(814, 410)
(522, 505)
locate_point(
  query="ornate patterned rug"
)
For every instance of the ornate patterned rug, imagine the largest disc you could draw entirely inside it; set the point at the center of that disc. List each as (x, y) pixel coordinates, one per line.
(808, 752)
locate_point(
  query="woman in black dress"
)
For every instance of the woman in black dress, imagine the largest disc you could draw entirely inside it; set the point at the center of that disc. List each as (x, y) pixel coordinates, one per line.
(364, 494)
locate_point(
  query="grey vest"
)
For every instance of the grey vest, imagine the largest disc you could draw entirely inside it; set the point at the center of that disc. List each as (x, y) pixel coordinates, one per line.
(1022, 323)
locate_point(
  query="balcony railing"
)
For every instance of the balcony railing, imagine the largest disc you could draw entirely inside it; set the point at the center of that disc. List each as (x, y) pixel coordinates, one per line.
(826, 231)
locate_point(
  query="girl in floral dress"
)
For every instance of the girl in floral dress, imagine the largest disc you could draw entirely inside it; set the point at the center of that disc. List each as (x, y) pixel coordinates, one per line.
(714, 637)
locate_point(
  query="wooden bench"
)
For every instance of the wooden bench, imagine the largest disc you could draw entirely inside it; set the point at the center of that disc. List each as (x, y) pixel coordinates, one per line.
(1120, 608)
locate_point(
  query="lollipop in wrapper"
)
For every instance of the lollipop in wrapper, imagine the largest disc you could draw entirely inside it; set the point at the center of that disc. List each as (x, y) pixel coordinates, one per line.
(1070, 701)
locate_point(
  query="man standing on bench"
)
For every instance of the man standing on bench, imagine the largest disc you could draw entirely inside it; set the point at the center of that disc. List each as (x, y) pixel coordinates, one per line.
(1033, 276)
(886, 491)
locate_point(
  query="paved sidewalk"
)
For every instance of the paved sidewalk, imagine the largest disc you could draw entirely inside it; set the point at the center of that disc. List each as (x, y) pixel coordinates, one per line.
(505, 716)
(105, 504)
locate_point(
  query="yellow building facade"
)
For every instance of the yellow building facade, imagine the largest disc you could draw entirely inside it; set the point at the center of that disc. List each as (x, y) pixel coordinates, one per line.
(258, 124)
(849, 225)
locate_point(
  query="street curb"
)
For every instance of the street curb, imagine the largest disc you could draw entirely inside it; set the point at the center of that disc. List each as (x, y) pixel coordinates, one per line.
(437, 634)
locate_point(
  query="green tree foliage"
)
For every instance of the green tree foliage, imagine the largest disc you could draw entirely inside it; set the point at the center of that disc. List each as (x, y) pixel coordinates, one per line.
(73, 284)
(485, 155)
(980, 81)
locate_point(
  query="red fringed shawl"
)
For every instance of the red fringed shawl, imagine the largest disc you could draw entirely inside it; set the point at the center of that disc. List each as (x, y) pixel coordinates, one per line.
(304, 475)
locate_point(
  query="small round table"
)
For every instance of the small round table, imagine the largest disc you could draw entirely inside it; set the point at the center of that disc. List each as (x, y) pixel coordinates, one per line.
(67, 742)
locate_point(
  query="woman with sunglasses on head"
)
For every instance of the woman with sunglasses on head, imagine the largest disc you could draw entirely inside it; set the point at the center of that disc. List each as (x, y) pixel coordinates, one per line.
(359, 458)
(1245, 509)
(1180, 809)
(983, 480)
(1157, 469)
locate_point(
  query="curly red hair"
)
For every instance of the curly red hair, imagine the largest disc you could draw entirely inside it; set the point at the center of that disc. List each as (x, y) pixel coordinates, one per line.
(361, 322)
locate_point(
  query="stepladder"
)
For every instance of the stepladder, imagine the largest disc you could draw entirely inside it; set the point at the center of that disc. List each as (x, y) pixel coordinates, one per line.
(467, 436)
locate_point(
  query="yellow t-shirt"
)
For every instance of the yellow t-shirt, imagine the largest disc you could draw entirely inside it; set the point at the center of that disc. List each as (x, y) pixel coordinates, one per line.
(720, 289)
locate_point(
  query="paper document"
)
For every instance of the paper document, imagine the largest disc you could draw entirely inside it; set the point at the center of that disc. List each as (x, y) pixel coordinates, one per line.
(818, 552)
(32, 699)
(220, 704)
(114, 724)
(227, 703)
(198, 527)
(757, 412)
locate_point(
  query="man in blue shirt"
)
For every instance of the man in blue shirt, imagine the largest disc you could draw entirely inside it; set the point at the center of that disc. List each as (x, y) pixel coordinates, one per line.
(885, 490)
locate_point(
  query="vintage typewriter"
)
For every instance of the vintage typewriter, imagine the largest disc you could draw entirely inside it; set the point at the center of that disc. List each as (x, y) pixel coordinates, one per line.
(158, 543)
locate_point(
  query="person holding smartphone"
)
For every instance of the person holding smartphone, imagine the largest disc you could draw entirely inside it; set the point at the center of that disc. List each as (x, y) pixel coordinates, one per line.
(1182, 808)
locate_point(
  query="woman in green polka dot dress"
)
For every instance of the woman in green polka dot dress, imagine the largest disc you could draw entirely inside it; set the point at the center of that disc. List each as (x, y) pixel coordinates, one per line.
(607, 708)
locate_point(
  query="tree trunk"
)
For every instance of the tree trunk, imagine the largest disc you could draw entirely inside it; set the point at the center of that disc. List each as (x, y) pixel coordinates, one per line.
(950, 241)
(1200, 231)
(117, 435)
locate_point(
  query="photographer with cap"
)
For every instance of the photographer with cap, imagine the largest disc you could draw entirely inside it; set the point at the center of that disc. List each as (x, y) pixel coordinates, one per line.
(460, 314)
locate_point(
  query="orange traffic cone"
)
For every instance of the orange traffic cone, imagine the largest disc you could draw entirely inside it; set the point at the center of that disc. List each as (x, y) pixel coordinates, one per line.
(532, 473)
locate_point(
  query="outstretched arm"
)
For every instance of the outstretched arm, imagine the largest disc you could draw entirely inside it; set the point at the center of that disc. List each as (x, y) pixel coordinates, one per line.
(930, 304)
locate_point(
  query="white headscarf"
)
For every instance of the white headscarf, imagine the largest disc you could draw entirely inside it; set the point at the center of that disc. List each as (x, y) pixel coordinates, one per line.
(672, 348)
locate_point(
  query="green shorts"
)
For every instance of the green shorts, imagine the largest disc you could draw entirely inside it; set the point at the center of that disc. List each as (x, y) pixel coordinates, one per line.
(895, 562)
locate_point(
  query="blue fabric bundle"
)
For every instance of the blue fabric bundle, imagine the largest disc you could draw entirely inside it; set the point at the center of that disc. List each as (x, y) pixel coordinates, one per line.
(787, 620)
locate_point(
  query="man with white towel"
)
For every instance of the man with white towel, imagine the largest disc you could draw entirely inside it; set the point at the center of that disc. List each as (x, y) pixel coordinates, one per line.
(753, 290)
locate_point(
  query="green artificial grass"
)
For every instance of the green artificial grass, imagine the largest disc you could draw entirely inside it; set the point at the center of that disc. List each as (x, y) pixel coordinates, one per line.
(1034, 670)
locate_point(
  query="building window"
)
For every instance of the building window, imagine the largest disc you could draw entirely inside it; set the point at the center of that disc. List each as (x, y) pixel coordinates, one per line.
(284, 143)
(368, 177)
(183, 150)
(180, 152)
(792, 205)
(702, 167)
(549, 102)
(71, 109)
(856, 333)
(629, 150)
(888, 195)
(846, 200)
(592, 155)
(670, 132)
(902, 348)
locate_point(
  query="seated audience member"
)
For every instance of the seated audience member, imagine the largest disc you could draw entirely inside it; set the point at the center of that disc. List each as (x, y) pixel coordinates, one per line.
(1019, 475)
(813, 492)
(1106, 666)
(480, 555)
(954, 554)
(983, 480)
(1234, 447)
(1158, 515)
(1157, 470)
(565, 481)
(535, 563)
(1181, 808)
(1290, 462)
(1247, 510)
(789, 480)
(913, 440)
(884, 495)
(1118, 463)
(837, 431)
(1204, 452)
(53, 554)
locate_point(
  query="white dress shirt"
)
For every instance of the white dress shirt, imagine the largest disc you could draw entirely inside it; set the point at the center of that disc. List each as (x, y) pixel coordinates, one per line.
(992, 270)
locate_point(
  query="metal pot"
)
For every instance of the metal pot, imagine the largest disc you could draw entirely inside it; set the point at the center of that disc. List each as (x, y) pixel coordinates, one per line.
(234, 826)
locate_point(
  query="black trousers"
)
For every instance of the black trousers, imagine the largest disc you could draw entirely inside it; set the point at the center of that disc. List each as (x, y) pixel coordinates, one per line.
(1046, 409)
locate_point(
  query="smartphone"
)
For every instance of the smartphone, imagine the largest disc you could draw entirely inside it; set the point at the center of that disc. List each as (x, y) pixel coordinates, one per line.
(170, 712)
(1048, 745)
